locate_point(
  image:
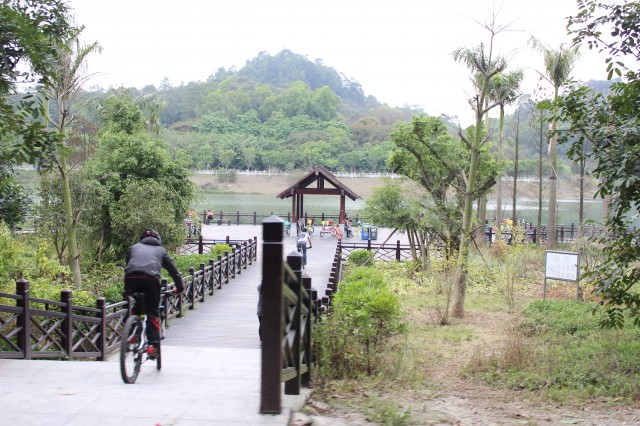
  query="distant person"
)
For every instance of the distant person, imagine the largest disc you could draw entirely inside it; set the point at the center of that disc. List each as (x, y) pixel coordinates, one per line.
(304, 241)
(339, 233)
(145, 261)
(347, 227)
(209, 217)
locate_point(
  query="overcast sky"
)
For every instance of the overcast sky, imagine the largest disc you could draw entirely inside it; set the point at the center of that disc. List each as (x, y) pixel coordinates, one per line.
(400, 51)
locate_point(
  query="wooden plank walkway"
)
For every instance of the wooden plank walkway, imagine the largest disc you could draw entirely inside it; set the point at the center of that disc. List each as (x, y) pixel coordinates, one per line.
(211, 364)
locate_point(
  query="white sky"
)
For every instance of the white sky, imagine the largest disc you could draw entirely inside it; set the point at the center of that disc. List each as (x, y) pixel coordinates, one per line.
(400, 51)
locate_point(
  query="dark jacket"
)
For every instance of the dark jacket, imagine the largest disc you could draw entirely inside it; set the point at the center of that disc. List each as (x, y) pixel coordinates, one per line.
(149, 257)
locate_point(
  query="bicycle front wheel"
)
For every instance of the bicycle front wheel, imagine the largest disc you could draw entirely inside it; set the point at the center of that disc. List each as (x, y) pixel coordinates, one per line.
(130, 349)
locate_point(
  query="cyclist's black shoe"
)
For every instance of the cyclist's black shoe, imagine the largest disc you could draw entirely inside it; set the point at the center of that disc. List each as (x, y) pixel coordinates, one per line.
(152, 352)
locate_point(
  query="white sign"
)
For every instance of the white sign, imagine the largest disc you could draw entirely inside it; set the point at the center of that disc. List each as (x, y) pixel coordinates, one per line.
(562, 265)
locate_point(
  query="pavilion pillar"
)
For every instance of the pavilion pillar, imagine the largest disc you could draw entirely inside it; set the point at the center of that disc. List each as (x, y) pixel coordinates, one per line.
(341, 220)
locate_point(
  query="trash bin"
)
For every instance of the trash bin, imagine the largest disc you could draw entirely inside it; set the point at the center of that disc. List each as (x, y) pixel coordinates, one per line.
(373, 233)
(364, 231)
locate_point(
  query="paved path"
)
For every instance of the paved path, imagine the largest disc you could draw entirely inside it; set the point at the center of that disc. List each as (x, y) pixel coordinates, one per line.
(211, 365)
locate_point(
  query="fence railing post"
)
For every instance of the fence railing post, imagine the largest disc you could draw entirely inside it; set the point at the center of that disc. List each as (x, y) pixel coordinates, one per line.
(66, 297)
(220, 271)
(212, 278)
(292, 386)
(255, 218)
(234, 255)
(203, 281)
(192, 289)
(24, 338)
(271, 325)
(226, 275)
(306, 344)
(101, 303)
(398, 250)
(200, 245)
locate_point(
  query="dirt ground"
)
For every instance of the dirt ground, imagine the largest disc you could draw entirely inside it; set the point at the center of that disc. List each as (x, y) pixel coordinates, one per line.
(462, 401)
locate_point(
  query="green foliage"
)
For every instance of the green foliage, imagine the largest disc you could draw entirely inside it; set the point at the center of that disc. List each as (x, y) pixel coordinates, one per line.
(597, 119)
(562, 352)
(31, 32)
(365, 315)
(14, 201)
(141, 184)
(359, 257)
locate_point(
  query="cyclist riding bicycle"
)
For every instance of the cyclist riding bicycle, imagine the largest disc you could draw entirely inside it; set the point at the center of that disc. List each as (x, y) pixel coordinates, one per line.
(145, 260)
(303, 240)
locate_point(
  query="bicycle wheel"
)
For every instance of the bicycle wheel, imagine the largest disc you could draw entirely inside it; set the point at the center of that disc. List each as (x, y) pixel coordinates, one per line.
(322, 234)
(333, 232)
(130, 351)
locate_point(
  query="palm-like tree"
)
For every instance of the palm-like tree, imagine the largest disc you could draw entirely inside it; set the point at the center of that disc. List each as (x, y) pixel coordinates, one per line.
(558, 65)
(63, 87)
(504, 89)
(481, 63)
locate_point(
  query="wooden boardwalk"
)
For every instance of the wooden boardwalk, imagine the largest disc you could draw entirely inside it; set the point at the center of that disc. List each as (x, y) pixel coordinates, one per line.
(211, 364)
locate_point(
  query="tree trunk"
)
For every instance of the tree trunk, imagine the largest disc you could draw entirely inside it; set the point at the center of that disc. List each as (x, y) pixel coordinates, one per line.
(482, 218)
(73, 256)
(539, 224)
(499, 185)
(514, 213)
(581, 201)
(553, 182)
(467, 215)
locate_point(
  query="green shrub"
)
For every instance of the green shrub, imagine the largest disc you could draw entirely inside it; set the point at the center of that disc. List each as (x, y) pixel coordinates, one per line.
(365, 315)
(358, 257)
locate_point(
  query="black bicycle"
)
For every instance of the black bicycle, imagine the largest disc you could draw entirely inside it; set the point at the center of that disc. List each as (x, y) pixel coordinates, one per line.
(134, 344)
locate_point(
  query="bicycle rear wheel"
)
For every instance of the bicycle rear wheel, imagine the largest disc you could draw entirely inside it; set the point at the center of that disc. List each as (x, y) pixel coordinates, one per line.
(130, 350)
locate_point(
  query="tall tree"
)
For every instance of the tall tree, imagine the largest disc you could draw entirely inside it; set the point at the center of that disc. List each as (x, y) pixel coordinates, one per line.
(610, 124)
(30, 32)
(63, 89)
(483, 66)
(504, 89)
(558, 65)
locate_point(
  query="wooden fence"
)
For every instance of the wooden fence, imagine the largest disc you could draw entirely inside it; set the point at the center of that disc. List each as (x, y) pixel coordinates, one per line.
(288, 304)
(40, 328)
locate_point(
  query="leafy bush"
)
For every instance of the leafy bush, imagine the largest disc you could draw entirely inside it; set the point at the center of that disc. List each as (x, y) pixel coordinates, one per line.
(358, 257)
(365, 315)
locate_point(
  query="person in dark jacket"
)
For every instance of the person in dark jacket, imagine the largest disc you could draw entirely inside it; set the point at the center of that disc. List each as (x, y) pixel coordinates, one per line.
(145, 261)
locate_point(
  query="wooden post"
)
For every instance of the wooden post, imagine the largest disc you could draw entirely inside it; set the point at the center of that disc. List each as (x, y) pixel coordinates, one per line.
(398, 250)
(203, 281)
(24, 338)
(192, 289)
(234, 256)
(212, 279)
(226, 275)
(66, 297)
(200, 245)
(255, 218)
(292, 386)
(238, 217)
(306, 344)
(271, 296)
(220, 271)
(102, 339)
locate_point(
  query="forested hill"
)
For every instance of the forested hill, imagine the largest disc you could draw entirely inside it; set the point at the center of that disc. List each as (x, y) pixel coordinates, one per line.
(286, 112)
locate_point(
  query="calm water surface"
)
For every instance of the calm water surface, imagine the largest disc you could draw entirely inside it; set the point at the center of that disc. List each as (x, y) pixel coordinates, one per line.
(315, 205)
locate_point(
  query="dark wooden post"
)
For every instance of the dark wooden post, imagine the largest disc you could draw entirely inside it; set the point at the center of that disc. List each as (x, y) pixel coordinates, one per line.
(200, 245)
(24, 338)
(292, 386)
(192, 289)
(234, 256)
(228, 240)
(237, 217)
(535, 235)
(102, 339)
(306, 344)
(245, 254)
(212, 279)
(398, 250)
(203, 281)
(226, 275)
(562, 233)
(249, 252)
(271, 296)
(369, 242)
(66, 297)
(220, 271)
(255, 218)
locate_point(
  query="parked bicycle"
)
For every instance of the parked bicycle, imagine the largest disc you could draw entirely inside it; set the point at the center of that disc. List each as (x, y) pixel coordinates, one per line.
(327, 229)
(134, 344)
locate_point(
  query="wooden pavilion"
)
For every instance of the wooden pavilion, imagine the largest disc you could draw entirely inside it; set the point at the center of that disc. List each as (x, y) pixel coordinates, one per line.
(325, 184)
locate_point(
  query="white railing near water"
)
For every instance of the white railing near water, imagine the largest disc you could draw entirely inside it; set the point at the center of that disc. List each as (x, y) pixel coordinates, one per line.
(370, 175)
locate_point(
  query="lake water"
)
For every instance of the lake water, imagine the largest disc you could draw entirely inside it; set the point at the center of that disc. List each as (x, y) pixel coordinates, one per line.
(315, 205)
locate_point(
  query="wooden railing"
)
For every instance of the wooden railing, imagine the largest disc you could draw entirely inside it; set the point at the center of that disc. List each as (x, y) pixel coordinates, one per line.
(287, 316)
(255, 218)
(40, 328)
